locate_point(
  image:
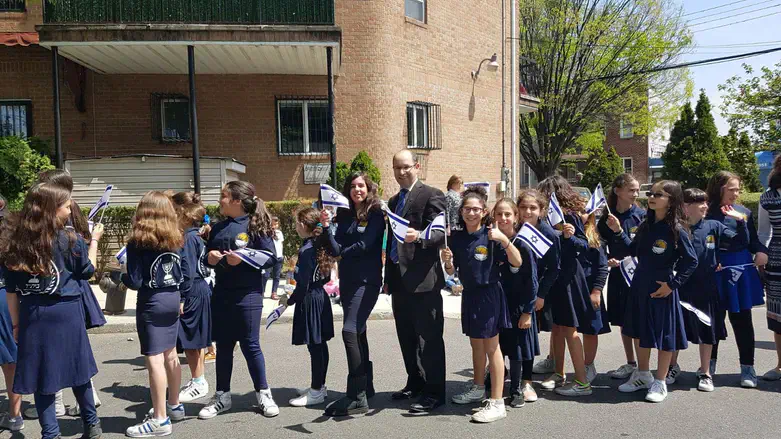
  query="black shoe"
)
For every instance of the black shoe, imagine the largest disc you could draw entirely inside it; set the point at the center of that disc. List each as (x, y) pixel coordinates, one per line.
(515, 401)
(347, 406)
(405, 393)
(93, 431)
(370, 380)
(426, 404)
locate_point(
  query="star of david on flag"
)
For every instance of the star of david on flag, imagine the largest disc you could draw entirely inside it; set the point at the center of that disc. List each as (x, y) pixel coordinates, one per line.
(398, 225)
(255, 258)
(597, 200)
(332, 197)
(535, 240)
(275, 315)
(555, 214)
(628, 267)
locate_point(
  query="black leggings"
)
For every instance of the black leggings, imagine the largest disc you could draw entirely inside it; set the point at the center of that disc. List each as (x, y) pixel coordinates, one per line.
(318, 354)
(358, 365)
(743, 327)
(516, 374)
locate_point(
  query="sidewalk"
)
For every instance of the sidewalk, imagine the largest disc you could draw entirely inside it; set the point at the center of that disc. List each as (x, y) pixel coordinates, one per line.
(382, 311)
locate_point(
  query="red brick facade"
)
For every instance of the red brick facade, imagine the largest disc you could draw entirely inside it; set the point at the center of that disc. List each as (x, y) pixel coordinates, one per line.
(634, 148)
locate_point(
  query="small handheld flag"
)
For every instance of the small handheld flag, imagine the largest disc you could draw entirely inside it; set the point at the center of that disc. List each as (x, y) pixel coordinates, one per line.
(704, 318)
(597, 200)
(275, 315)
(102, 203)
(332, 197)
(437, 224)
(735, 271)
(255, 258)
(555, 214)
(483, 184)
(535, 240)
(628, 267)
(398, 225)
(122, 256)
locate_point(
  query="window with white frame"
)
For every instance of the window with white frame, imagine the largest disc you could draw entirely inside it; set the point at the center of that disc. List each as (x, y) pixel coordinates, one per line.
(627, 162)
(16, 118)
(626, 130)
(423, 126)
(302, 126)
(415, 9)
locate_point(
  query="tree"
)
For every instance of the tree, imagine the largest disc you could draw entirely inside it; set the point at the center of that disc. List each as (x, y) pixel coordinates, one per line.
(20, 166)
(601, 167)
(360, 163)
(695, 151)
(755, 104)
(588, 58)
(741, 155)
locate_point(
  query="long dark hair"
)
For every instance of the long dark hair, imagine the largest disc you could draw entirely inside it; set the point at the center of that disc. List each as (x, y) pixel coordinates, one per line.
(260, 219)
(478, 193)
(372, 200)
(57, 177)
(774, 179)
(675, 218)
(569, 200)
(79, 221)
(309, 217)
(715, 189)
(619, 182)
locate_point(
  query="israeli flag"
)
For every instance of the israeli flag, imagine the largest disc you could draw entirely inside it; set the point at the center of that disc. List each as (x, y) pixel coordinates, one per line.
(735, 272)
(483, 184)
(704, 318)
(275, 315)
(555, 214)
(399, 226)
(102, 203)
(332, 197)
(122, 256)
(255, 258)
(628, 267)
(597, 200)
(437, 224)
(535, 240)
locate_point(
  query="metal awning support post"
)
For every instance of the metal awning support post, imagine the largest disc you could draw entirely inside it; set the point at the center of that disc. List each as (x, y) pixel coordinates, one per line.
(194, 120)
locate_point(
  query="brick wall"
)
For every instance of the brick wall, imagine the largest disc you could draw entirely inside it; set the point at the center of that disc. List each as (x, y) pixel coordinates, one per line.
(635, 147)
(23, 21)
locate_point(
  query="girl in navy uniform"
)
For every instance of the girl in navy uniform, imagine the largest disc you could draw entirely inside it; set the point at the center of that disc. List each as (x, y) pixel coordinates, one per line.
(595, 268)
(313, 320)
(358, 242)
(570, 297)
(156, 269)
(44, 264)
(621, 202)
(654, 315)
(533, 206)
(701, 290)
(239, 248)
(520, 284)
(739, 290)
(13, 420)
(195, 320)
(478, 251)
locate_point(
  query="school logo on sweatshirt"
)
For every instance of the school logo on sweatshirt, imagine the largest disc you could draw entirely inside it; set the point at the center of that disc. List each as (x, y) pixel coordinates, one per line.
(632, 232)
(242, 240)
(481, 253)
(660, 245)
(42, 284)
(362, 226)
(710, 242)
(166, 271)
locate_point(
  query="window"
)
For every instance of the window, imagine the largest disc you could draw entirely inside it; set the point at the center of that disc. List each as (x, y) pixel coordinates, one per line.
(12, 6)
(627, 131)
(303, 126)
(627, 162)
(423, 126)
(415, 9)
(16, 118)
(170, 118)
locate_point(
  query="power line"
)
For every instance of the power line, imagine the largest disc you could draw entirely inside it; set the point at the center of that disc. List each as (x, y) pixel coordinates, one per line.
(730, 10)
(714, 8)
(736, 15)
(737, 22)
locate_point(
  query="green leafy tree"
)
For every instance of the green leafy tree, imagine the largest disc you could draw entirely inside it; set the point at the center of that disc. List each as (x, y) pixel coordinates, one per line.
(587, 58)
(741, 155)
(601, 167)
(360, 163)
(754, 103)
(19, 169)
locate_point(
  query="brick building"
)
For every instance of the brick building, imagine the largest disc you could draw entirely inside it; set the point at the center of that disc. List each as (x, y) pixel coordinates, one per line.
(402, 77)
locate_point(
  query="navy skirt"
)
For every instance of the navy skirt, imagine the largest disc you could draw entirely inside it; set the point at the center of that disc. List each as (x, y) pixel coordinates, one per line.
(657, 323)
(54, 351)
(520, 344)
(157, 320)
(93, 314)
(597, 323)
(7, 342)
(195, 325)
(739, 289)
(313, 319)
(617, 292)
(570, 304)
(707, 301)
(484, 311)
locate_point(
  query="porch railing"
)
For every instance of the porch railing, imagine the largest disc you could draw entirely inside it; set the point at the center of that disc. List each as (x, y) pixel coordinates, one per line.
(271, 12)
(12, 6)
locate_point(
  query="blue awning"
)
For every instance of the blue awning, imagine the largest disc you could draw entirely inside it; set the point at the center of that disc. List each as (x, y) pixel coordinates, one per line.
(655, 163)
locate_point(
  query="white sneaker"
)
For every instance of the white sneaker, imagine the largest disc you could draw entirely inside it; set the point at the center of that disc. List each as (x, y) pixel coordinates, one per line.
(658, 392)
(59, 406)
(312, 397)
(192, 391)
(492, 410)
(303, 391)
(473, 393)
(150, 428)
(552, 381)
(574, 389)
(529, 395)
(706, 384)
(623, 372)
(176, 413)
(638, 381)
(591, 372)
(266, 402)
(672, 374)
(95, 395)
(544, 366)
(220, 402)
(12, 424)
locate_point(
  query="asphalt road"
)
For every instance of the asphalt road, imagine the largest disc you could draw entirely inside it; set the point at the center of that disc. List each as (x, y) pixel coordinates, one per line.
(729, 412)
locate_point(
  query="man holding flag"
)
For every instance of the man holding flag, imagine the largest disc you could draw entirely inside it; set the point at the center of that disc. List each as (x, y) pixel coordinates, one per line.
(415, 280)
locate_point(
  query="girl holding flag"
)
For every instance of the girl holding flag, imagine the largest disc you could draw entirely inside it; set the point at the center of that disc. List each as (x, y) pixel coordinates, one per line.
(239, 248)
(621, 203)
(358, 242)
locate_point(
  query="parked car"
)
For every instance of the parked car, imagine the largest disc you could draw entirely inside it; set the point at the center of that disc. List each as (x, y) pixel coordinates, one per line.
(643, 189)
(582, 191)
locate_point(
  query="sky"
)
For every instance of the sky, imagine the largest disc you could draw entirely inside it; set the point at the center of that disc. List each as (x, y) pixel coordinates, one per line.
(765, 30)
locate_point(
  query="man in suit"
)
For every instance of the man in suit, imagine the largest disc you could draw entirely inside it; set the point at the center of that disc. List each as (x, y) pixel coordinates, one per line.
(414, 278)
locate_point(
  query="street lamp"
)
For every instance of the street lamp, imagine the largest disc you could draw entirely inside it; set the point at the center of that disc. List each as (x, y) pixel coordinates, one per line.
(492, 66)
